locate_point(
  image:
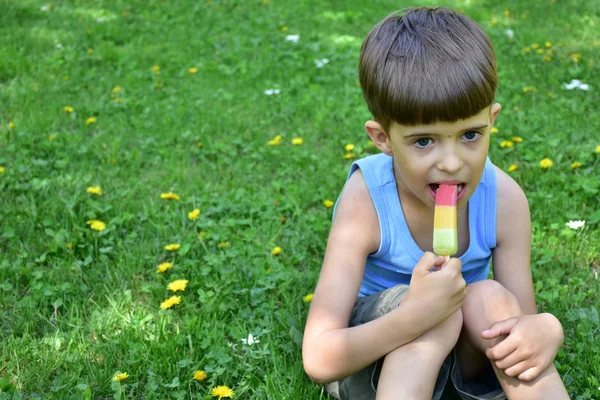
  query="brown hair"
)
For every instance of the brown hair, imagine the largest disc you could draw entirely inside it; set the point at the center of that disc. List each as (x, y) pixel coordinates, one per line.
(427, 64)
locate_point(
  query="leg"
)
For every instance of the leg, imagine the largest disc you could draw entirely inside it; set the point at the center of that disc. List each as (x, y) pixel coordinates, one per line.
(410, 371)
(488, 302)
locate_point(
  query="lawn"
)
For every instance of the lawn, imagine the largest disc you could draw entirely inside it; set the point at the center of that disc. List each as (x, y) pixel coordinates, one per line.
(227, 128)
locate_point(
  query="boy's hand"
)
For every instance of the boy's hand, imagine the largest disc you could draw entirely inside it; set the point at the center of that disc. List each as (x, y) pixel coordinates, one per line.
(440, 293)
(529, 348)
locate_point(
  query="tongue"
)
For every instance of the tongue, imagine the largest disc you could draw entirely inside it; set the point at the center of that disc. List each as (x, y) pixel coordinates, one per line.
(446, 195)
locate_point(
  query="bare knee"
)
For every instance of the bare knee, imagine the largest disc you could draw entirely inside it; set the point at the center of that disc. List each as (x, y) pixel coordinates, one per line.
(441, 339)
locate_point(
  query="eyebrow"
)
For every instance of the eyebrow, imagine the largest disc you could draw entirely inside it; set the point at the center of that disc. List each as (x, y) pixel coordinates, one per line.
(435, 134)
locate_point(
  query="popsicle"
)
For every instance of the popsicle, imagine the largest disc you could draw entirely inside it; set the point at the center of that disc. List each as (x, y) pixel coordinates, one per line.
(445, 235)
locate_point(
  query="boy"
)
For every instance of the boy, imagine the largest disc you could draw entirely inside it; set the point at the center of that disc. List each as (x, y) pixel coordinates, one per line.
(422, 322)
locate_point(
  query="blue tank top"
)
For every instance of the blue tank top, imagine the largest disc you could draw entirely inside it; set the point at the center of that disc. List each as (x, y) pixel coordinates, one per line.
(398, 253)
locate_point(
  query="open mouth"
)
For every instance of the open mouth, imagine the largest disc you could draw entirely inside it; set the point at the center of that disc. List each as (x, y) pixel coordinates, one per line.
(433, 187)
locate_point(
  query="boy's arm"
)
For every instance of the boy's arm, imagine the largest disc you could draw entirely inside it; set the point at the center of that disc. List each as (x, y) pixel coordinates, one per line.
(331, 350)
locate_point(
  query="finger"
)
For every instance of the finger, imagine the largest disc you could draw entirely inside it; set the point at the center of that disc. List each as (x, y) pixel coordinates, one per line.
(499, 328)
(427, 262)
(452, 266)
(518, 369)
(510, 360)
(502, 349)
(530, 374)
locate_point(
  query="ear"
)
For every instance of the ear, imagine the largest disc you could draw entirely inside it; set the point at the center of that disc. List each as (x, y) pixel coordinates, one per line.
(494, 111)
(379, 137)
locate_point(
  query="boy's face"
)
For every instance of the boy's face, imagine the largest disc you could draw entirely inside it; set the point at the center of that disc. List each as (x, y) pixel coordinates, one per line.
(444, 152)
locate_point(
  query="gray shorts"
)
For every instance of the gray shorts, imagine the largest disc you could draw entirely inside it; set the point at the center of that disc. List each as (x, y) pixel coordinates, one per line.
(449, 384)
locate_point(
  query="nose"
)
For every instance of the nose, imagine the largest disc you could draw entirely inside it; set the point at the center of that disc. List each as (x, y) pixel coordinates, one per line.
(451, 162)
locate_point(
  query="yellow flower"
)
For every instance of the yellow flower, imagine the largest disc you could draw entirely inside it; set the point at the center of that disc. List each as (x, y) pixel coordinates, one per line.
(548, 44)
(68, 109)
(172, 247)
(547, 58)
(200, 376)
(494, 130)
(116, 89)
(328, 203)
(90, 51)
(276, 251)
(170, 302)
(94, 190)
(576, 57)
(156, 69)
(201, 235)
(546, 163)
(527, 50)
(120, 376)
(52, 137)
(193, 70)
(598, 149)
(349, 147)
(349, 156)
(284, 28)
(513, 167)
(169, 196)
(11, 125)
(91, 120)
(517, 139)
(2, 169)
(506, 143)
(97, 225)
(222, 391)
(575, 164)
(528, 89)
(297, 141)
(193, 215)
(535, 46)
(178, 285)
(162, 267)
(308, 298)
(223, 245)
(275, 141)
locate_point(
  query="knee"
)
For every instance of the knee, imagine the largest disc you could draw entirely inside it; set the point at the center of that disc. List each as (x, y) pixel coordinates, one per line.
(488, 302)
(441, 339)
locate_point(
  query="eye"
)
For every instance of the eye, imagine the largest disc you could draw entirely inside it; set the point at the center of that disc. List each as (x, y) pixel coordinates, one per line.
(423, 142)
(471, 136)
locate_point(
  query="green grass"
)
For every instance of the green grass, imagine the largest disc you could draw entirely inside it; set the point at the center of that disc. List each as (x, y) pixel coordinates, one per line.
(79, 305)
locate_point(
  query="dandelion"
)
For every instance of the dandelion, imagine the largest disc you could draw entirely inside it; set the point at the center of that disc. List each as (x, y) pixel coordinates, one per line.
(535, 46)
(598, 149)
(506, 144)
(172, 247)
(90, 51)
(96, 225)
(349, 156)
(169, 196)
(297, 141)
(546, 163)
(517, 139)
(120, 376)
(11, 125)
(513, 167)
(97, 190)
(116, 89)
(270, 92)
(292, 38)
(222, 391)
(276, 251)
(193, 70)
(494, 130)
(201, 235)
(528, 89)
(2, 169)
(510, 34)
(349, 147)
(575, 164)
(178, 285)
(162, 267)
(193, 215)
(540, 51)
(170, 302)
(68, 109)
(547, 58)
(548, 44)
(52, 137)
(576, 57)
(328, 203)
(250, 340)
(156, 69)
(91, 120)
(308, 298)
(575, 224)
(223, 245)
(200, 376)
(275, 141)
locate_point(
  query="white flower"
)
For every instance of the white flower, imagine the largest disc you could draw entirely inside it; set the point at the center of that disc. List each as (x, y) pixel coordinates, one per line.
(100, 20)
(45, 8)
(270, 92)
(251, 340)
(575, 224)
(509, 34)
(292, 38)
(320, 63)
(59, 46)
(576, 84)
